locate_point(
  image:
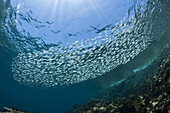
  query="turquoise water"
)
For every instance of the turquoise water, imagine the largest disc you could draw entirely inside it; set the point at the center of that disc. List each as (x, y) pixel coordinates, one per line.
(55, 54)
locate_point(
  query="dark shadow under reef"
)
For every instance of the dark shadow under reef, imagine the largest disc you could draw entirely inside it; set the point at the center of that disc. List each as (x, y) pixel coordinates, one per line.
(145, 92)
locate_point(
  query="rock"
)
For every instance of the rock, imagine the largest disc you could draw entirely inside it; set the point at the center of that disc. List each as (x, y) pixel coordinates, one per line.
(9, 110)
(98, 104)
(103, 109)
(168, 71)
(159, 98)
(147, 108)
(167, 63)
(95, 109)
(141, 97)
(89, 111)
(154, 104)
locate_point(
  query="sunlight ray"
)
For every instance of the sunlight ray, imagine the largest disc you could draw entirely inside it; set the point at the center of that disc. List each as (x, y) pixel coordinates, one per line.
(44, 5)
(96, 9)
(55, 10)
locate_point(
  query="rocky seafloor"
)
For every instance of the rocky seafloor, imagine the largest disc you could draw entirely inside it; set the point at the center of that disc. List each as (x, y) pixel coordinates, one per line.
(10, 110)
(150, 94)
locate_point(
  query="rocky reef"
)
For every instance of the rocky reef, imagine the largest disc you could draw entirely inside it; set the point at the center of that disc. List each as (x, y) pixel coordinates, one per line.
(150, 94)
(10, 110)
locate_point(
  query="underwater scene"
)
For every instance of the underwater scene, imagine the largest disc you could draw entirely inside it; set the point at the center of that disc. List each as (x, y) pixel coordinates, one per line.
(85, 56)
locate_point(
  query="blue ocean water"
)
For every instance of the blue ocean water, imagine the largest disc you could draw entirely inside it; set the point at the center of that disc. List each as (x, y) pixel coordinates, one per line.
(56, 54)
